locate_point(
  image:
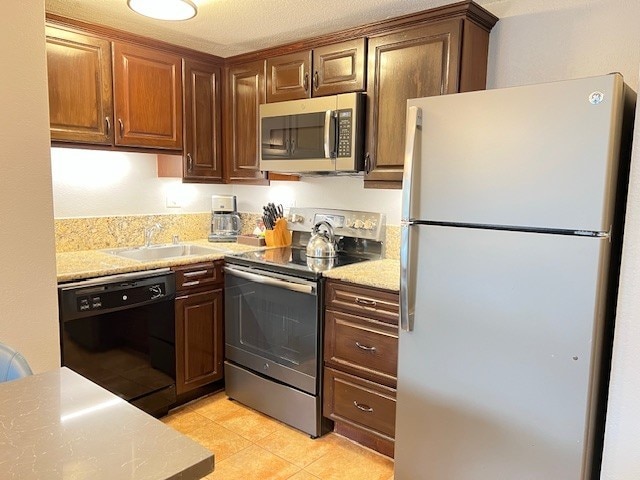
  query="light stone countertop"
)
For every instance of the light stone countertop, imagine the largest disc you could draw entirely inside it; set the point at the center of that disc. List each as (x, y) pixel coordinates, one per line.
(58, 424)
(84, 264)
(383, 274)
(97, 263)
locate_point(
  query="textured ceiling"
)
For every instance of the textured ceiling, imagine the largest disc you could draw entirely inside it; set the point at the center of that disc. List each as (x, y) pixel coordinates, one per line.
(231, 27)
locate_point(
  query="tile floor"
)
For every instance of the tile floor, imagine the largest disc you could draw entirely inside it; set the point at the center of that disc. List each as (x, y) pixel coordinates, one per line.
(251, 446)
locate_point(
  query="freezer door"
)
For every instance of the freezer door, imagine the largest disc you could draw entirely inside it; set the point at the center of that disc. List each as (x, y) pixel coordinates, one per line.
(541, 156)
(496, 379)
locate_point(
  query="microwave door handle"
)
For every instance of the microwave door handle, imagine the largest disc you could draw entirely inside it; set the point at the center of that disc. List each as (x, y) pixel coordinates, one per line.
(327, 133)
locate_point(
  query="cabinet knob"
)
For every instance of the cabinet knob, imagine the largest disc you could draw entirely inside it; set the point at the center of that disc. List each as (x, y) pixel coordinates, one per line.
(305, 82)
(367, 164)
(189, 162)
(315, 80)
(121, 125)
(363, 407)
(365, 347)
(108, 123)
(366, 302)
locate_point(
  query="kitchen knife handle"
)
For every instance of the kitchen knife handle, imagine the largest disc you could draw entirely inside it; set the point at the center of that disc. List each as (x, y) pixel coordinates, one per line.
(414, 123)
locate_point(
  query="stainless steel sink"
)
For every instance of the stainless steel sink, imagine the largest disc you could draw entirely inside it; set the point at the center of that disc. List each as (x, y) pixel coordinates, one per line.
(161, 252)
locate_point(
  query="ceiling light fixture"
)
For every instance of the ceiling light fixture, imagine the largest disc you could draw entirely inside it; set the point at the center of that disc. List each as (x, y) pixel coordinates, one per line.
(164, 9)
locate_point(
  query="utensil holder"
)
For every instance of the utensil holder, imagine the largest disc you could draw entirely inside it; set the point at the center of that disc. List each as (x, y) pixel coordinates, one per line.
(280, 236)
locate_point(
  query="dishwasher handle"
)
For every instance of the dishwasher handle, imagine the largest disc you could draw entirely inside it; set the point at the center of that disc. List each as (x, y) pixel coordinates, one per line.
(272, 281)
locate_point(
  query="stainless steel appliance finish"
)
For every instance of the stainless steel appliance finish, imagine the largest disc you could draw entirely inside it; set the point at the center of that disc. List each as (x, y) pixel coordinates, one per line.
(225, 221)
(322, 244)
(273, 316)
(324, 134)
(224, 204)
(511, 238)
(119, 332)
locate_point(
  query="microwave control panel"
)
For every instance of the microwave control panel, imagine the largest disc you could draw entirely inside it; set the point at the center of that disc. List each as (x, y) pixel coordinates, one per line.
(345, 129)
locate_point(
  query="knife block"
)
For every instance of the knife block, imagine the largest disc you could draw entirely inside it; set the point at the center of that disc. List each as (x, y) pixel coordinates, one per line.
(280, 236)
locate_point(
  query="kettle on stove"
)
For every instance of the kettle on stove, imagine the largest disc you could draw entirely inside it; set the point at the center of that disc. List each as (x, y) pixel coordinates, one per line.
(322, 243)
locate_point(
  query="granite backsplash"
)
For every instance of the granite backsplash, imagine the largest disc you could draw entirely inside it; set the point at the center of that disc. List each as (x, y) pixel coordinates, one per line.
(95, 233)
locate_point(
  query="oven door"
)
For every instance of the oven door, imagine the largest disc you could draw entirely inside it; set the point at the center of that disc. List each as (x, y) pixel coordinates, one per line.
(272, 325)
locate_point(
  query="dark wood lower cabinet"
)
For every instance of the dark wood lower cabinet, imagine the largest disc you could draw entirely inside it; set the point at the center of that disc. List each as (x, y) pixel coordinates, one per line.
(364, 411)
(199, 326)
(360, 363)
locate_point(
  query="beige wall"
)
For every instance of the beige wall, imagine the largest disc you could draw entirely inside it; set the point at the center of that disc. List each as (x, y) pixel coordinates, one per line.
(622, 440)
(28, 308)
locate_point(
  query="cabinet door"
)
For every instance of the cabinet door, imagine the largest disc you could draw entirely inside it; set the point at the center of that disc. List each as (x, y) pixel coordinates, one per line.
(417, 62)
(202, 123)
(245, 92)
(340, 68)
(288, 77)
(148, 97)
(199, 339)
(80, 99)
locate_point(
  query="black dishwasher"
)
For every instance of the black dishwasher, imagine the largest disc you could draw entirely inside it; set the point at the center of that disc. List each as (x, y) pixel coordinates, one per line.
(119, 332)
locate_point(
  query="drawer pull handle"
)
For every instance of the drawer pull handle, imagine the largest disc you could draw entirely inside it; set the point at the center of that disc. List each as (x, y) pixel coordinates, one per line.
(195, 274)
(363, 407)
(364, 347)
(366, 302)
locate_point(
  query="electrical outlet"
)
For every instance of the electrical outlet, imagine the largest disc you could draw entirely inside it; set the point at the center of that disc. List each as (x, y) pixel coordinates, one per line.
(172, 201)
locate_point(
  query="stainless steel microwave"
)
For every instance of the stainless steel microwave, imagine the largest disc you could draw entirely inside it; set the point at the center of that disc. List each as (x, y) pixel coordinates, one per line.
(324, 134)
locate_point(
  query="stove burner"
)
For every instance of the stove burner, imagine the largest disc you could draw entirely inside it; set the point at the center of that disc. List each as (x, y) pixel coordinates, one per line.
(293, 260)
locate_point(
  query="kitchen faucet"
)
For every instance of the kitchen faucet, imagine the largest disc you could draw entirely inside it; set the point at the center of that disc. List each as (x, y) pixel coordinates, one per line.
(150, 232)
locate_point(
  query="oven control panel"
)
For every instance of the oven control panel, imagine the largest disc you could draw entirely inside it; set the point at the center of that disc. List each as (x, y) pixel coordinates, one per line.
(348, 223)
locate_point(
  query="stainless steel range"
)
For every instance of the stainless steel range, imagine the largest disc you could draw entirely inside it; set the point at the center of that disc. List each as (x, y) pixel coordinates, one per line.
(274, 315)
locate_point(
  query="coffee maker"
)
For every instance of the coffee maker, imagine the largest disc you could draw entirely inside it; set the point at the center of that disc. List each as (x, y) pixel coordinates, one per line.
(225, 221)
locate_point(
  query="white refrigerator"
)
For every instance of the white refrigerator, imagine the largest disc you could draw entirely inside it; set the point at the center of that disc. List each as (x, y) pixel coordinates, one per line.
(511, 234)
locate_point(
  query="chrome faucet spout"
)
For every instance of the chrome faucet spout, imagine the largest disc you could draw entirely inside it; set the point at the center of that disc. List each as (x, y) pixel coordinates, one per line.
(150, 232)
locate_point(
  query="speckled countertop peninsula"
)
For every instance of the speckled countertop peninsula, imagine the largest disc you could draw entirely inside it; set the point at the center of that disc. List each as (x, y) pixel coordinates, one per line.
(383, 274)
(98, 263)
(57, 424)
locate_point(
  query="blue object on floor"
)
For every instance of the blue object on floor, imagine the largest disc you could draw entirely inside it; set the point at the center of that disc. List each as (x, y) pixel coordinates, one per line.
(12, 364)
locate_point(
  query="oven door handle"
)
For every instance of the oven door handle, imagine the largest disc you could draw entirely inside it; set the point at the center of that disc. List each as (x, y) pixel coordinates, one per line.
(254, 277)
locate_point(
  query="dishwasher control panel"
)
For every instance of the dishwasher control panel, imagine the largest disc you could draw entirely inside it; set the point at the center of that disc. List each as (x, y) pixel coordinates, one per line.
(81, 299)
(114, 296)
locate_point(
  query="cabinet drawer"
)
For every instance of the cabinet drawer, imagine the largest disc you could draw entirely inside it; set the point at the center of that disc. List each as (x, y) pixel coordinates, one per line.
(362, 346)
(368, 302)
(358, 401)
(198, 275)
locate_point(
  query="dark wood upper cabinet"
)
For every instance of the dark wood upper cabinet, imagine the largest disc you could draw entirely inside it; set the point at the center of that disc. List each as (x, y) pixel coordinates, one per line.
(327, 70)
(245, 91)
(288, 77)
(148, 97)
(433, 59)
(79, 74)
(340, 68)
(202, 159)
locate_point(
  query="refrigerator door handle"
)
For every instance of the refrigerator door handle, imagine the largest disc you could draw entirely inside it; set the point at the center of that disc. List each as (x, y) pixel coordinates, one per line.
(407, 299)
